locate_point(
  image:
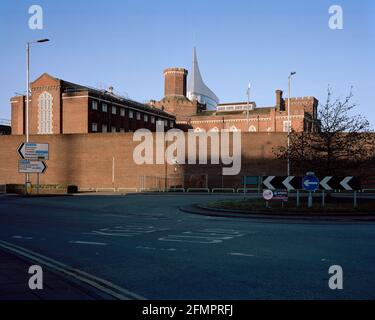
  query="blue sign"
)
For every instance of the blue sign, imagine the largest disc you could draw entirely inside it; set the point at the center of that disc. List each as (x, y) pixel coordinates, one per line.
(310, 183)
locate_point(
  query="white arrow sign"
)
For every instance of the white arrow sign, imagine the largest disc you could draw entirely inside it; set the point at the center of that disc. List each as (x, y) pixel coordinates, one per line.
(34, 151)
(268, 181)
(308, 183)
(345, 184)
(31, 166)
(324, 183)
(287, 184)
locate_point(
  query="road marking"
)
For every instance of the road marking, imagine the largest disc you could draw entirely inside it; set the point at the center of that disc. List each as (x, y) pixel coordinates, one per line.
(159, 249)
(22, 237)
(241, 254)
(88, 242)
(206, 236)
(126, 231)
(96, 282)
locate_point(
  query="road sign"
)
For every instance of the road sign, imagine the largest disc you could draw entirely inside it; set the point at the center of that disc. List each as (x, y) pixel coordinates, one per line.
(328, 183)
(340, 183)
(282, 182)
(34, 151)
(280, 195)
(310, 183)
(267, 195)
(31, 166)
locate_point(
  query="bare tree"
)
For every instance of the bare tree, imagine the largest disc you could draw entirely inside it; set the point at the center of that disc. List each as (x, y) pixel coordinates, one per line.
(342, 141)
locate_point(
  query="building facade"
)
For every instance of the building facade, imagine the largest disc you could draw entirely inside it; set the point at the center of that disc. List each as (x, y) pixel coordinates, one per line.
(239, 116)
(61, 107)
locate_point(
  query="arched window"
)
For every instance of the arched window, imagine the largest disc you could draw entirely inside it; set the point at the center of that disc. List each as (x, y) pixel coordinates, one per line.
(198, 130)
(252, 129)
(45, 113)
(233, 129)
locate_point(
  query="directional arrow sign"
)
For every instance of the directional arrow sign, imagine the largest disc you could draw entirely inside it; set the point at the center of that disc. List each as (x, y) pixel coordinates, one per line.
(31, 166)
(325, 183)
(268, 183)
(345, 183)
(287, 182)
(34, 151)
(310, 183)
(282, 182)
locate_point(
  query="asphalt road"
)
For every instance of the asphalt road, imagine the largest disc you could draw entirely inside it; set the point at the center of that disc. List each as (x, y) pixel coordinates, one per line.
(144, 244)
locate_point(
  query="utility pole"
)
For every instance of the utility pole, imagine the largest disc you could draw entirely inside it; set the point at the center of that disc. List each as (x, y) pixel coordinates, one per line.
(28, 97)
(289, 121)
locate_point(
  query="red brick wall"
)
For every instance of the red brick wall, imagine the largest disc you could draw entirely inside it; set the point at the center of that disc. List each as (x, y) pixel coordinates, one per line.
(18, 110)
(86, 160)
(75, 114)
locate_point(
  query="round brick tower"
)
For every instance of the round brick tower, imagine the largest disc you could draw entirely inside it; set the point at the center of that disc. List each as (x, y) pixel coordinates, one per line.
(175, 82)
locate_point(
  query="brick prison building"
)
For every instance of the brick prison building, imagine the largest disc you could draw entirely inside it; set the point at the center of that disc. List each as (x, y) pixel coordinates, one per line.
(91, 141)
(197, 107)
(61, 107)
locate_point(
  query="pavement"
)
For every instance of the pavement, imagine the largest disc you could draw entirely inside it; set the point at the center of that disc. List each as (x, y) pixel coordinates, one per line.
(144, 247)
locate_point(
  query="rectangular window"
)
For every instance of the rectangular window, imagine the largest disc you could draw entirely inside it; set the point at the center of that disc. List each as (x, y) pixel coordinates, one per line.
(131, 115)
(114, 110)
(94, 105)
(171, 124)
(165, 123)
(94, 127)
(122, 130)
(152, 119)
(104, 107)
(145, 118)
(138, 116)
(122, 112)
(113, 129)
(286, 126)
(104, 128)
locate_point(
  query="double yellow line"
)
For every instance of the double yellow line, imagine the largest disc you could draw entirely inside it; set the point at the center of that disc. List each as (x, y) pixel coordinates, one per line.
(100, 284)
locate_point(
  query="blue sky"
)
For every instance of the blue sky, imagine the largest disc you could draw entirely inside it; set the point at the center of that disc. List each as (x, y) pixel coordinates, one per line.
(127, 44)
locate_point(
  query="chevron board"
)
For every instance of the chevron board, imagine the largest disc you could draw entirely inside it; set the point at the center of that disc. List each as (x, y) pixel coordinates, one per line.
(328, 183)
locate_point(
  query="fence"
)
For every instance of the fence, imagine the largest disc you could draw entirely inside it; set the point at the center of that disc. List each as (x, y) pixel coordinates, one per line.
(174, 183)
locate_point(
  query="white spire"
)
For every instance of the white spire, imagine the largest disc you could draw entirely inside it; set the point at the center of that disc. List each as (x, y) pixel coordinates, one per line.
(197, 88)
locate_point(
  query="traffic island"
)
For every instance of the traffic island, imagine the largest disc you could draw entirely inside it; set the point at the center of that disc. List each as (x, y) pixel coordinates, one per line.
(334, 209)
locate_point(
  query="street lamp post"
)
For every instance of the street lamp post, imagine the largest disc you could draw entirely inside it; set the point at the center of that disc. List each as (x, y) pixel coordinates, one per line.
(27, 182)
(248, 105)
(289, 122)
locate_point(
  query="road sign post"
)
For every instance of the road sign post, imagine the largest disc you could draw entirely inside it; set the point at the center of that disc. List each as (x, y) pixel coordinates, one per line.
(310, 183)
(32, 156)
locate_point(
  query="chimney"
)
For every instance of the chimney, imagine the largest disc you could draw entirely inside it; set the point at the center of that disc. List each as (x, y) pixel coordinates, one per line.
(175, 82)
(280, 105)
(110, 90)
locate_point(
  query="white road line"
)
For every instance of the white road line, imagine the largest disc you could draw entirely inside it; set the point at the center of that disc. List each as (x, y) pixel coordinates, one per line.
(96, 282)
(190, 241)
(241, 254)
(22, 237)
(88, 242)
